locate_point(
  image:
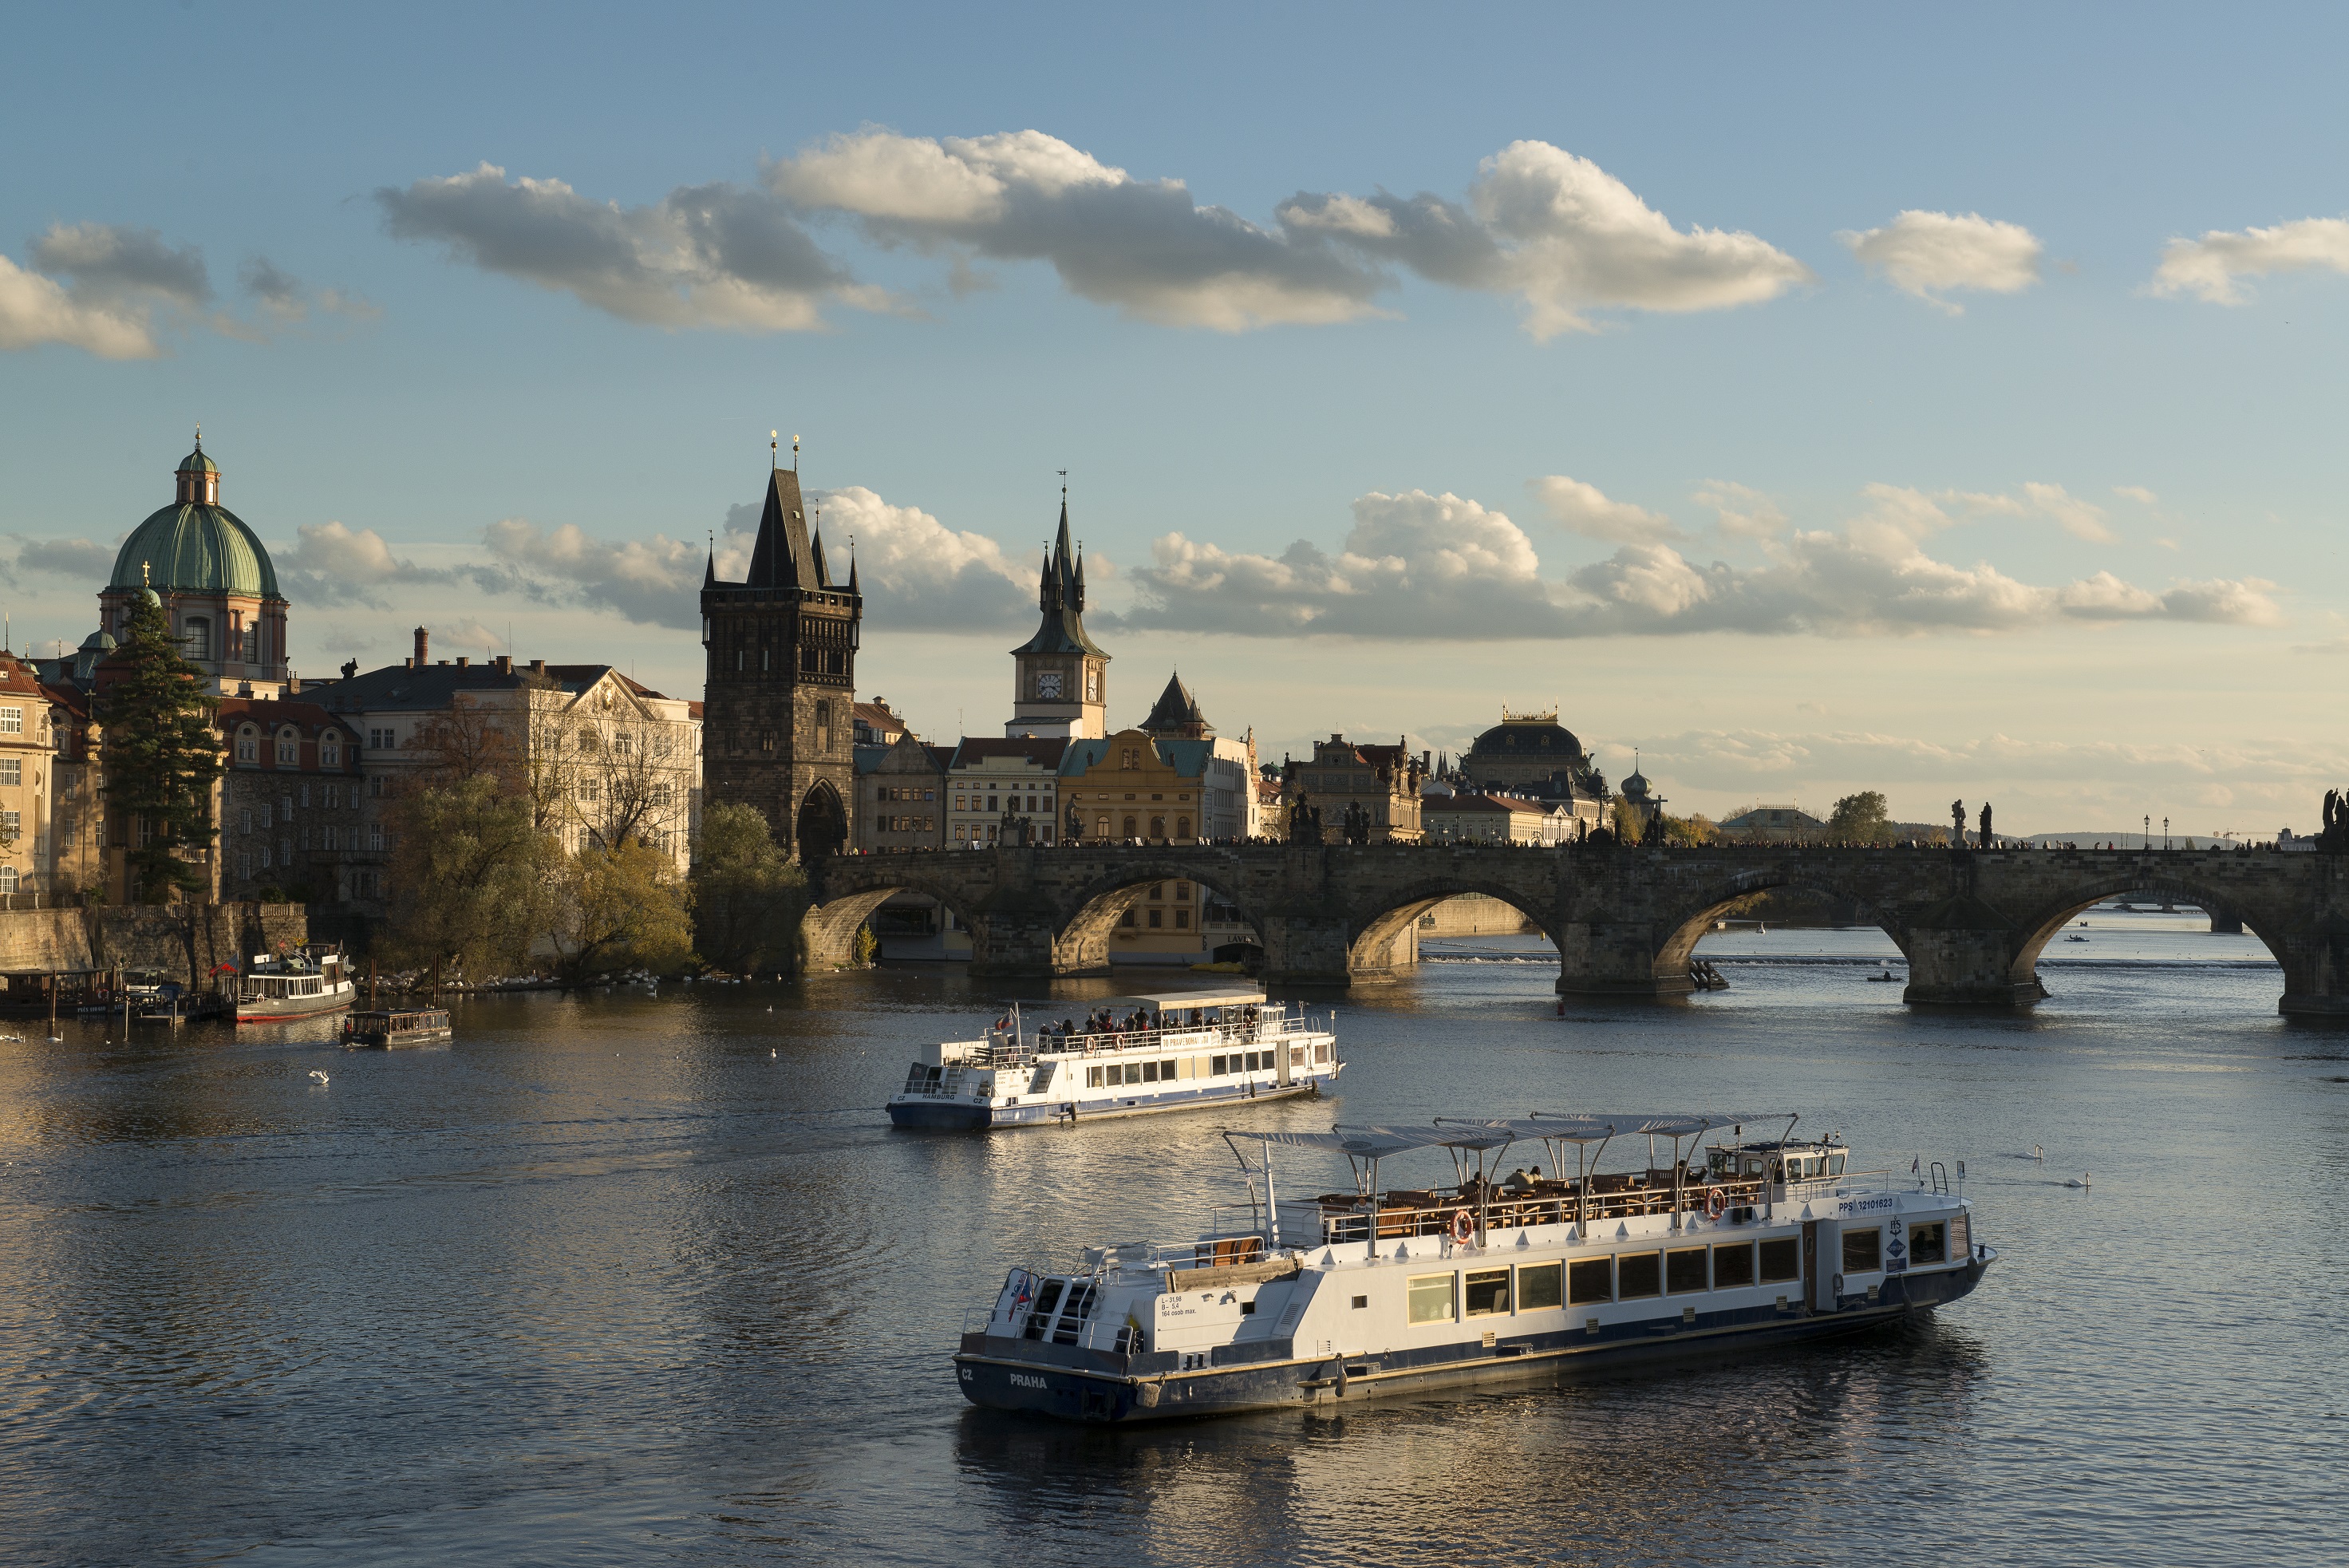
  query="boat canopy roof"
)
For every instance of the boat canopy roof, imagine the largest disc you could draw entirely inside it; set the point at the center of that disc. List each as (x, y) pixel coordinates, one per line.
(1229, 996)
(1467, 1133)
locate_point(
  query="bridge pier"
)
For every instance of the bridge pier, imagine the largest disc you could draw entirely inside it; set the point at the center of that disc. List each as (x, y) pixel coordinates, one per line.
(1615, 959)
(1306, 947)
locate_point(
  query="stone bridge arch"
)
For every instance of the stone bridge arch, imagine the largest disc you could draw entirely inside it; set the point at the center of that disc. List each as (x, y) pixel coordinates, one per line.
(1379, 921)
(1089, 910)
(853, 887)
(1677, 947)
(2037, 925)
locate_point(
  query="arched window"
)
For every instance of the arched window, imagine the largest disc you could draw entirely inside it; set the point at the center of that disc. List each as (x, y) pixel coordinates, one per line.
(1157, 827)
(1130, 831)
(822, 727)
(251, 644)
(1182, 827)
(248, 745)
(330, 752)
(199, 637)
(1101, 828)
(289, 745)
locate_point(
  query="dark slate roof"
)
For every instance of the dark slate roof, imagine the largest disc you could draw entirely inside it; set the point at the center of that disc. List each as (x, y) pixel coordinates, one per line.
(783, 556)
(1527, 738)
(1044, 750)
(1060, 597)
(1177, 708)
(433, 685)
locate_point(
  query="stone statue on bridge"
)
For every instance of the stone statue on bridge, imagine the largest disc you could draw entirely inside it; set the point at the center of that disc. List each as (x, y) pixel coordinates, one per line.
(2335, 839)
(1304, 821)
(1958, 823)
(1985, 841)
(1357, 823)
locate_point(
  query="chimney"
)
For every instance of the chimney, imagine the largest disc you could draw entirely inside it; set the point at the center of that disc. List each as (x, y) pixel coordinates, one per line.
(293, 683)
(423, 643)
(538, 667)
(462, 662)
(504, 663)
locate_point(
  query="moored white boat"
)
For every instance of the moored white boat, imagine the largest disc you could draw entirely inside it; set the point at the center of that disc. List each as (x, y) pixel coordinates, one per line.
(1532, 1277)
(295, 985)
(1135, 1055)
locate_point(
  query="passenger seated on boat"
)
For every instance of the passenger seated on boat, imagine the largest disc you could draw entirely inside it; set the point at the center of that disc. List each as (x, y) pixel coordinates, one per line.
(1518, 1182)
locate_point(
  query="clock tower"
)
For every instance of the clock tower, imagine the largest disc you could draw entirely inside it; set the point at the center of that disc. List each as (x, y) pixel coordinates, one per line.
(1062, 685)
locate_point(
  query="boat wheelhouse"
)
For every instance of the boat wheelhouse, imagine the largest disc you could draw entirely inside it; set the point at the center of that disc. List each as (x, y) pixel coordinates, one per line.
(298, 984)
(1131, 1056)
(1484, 1278)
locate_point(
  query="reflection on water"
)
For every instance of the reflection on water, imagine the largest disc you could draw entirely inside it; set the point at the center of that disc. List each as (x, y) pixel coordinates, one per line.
(625, 1278)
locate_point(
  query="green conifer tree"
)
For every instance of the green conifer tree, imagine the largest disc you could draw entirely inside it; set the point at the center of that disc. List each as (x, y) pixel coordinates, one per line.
(161, 756)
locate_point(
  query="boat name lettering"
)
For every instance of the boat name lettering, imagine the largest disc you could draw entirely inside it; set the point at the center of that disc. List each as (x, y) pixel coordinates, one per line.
(1024, 1380)
(1863, 1205)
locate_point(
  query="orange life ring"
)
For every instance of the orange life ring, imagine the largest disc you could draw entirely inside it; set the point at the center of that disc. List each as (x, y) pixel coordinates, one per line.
(1715, 1201)
(1464, 1226)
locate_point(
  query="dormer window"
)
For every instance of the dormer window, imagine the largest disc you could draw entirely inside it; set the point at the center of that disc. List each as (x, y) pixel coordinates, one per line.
(330, 752)
(289, 746)
(248, 745)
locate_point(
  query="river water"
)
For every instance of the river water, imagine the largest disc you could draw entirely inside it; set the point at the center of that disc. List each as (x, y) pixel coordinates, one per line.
(634, 1279)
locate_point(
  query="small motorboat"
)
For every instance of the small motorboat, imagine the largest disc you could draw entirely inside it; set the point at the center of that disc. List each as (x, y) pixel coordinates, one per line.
(1882, 979)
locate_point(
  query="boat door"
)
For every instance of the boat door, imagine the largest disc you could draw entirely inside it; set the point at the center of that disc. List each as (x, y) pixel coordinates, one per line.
(1812, 1285)
(1280, 1062)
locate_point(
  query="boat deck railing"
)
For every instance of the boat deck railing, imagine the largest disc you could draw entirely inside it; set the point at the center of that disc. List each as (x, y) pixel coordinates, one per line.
(1007, 1050)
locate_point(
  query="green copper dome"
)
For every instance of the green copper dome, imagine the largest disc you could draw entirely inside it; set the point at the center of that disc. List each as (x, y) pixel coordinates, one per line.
(195, 545)
(195, 549)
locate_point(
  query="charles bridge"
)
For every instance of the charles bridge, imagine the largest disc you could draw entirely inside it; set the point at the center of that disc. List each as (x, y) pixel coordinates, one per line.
(1972, 922)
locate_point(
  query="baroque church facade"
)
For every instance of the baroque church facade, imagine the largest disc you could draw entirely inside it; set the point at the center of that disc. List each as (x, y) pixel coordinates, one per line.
(780, 681)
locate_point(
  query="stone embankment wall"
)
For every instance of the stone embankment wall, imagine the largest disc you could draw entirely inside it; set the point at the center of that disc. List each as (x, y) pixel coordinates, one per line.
(184, 942)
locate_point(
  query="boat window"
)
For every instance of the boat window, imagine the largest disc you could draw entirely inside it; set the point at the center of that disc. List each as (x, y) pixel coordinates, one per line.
(1863, 1251)
(917, 1078)
(1835, 1164)
(1488, 1292)
(1684, 1270)
(1928, 1244)
(1150, 1072)
(1639, 1274)
(1431, 1298)
(1592, 1279)
(1166, 1072)
(1541, 1286)
(1321, 1052)
(1733, 1266)
(1215, 1065)
(1092, 1077)
(1781, 1262)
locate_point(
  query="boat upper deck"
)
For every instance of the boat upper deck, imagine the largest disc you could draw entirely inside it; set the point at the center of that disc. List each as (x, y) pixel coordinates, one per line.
(1181, 1021)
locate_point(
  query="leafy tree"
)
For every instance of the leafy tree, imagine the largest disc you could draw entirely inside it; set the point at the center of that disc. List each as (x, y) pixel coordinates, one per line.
(1860, 816)
(746, 898)
(469, 877)
(1686, 830)
(620, 909)
(161, 756)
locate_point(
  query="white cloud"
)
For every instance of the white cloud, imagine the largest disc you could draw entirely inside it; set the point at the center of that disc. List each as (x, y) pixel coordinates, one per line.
(332, 564)
(1742, 511)
(34, 310)
(1145, 246)
(2137, 493)
(112, 263)
(75, 560)
(125, 283)
(1443, 566)
(2210, 267)
(2076, 517)
(1929, 253)
(287, 301)
(1559, 233)
(710, 255)
(918, 575)
(1582, 508)
(654, 581)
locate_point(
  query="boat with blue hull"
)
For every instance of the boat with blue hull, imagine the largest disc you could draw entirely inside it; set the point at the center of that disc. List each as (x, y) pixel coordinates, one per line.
(1131, 1055)
(1479, 1280)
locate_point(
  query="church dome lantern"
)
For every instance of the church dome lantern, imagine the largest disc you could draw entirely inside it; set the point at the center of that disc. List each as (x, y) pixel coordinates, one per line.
(195, 545)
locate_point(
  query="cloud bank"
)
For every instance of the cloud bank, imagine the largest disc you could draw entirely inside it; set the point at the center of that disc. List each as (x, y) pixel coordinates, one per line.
(1539, 224)
(125, 288)
(1930, 254)
(2210, 268)
(1417, 564)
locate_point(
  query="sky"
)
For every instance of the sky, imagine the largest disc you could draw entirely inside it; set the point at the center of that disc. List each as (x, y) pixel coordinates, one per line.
(1803, 401)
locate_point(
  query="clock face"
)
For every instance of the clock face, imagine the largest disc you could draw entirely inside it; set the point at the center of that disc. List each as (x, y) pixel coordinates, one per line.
(1048, 683)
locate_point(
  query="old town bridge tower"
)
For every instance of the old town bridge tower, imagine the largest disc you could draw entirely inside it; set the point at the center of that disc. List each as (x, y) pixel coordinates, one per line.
(781, 680)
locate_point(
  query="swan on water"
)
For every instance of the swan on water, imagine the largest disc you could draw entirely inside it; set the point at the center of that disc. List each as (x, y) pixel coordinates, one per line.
(2081, 1183)
(317, 1076)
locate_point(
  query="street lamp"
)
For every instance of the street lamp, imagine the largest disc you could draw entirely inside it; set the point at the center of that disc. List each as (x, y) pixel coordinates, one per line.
(2149, 830)
(2164, 833)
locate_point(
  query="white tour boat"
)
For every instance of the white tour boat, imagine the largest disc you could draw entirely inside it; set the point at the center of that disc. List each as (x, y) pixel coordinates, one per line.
(1130, 1056)
(295, 985)
(1535, 1276)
